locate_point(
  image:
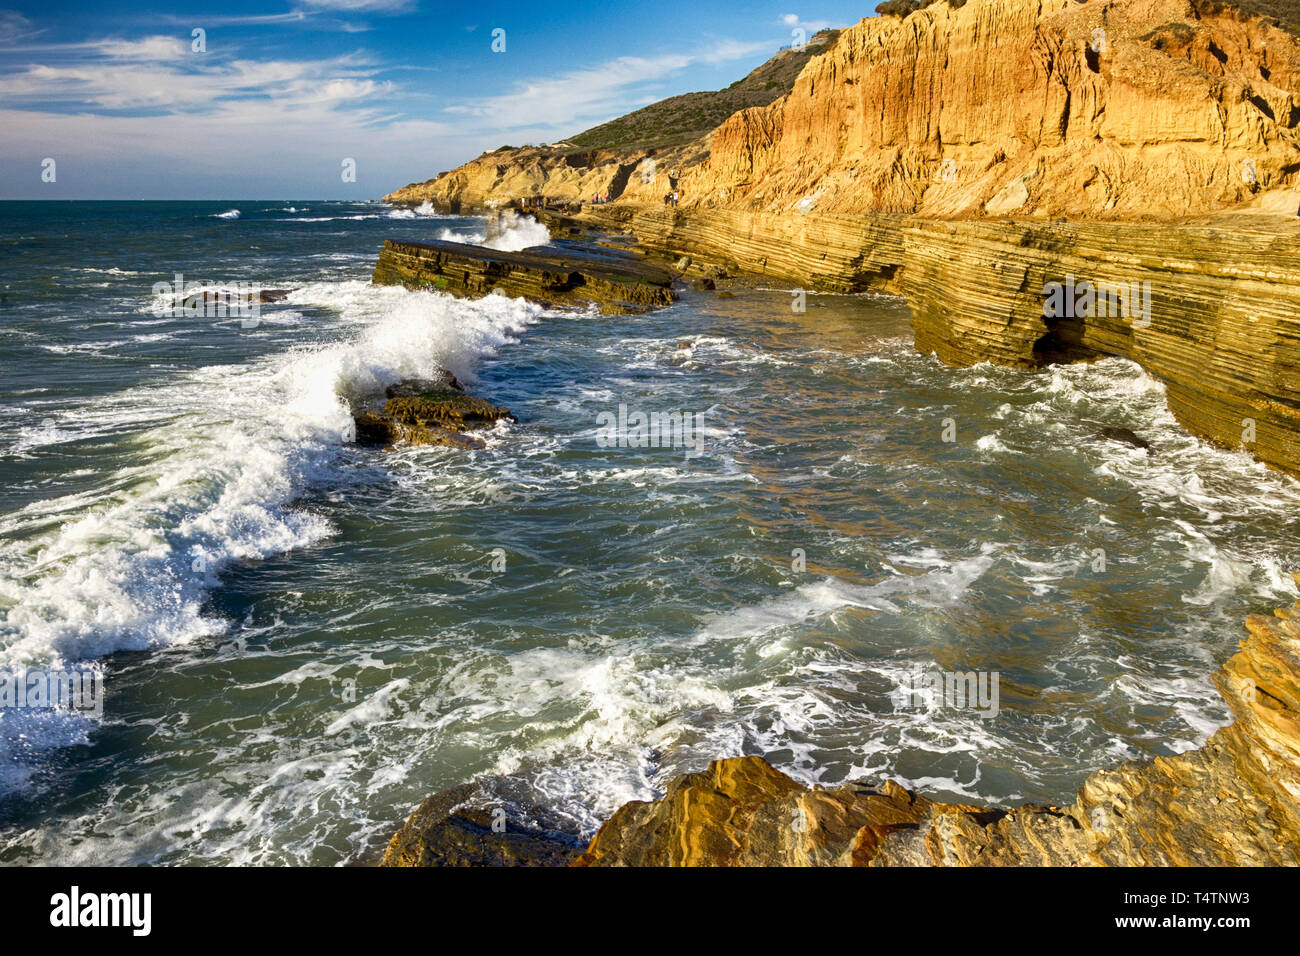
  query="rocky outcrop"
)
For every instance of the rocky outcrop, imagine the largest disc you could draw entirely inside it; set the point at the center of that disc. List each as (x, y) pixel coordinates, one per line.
(469, 825)
(428, 412)
(612, 282)
(1233, 802)
(1127, 109)
(899, 152)
(1109, 109)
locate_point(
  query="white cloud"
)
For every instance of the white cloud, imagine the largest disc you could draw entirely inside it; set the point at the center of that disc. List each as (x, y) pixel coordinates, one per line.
(144, 49)
(809, 27)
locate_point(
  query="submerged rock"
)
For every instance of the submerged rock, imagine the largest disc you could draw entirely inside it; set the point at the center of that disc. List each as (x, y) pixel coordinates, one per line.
(1114, 433)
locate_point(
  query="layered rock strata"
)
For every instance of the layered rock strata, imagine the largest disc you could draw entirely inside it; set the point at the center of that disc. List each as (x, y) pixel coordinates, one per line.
(552, 174)
(613, 283)
(831, 253)
(1212, 310)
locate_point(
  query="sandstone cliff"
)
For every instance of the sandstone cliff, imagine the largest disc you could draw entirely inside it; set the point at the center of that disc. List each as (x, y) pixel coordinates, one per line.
(1122, 109)
(1233, 802)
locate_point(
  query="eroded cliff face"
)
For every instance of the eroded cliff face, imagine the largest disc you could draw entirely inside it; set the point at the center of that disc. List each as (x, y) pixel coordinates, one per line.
(1212, 312)
(1114, 110)
(1233, 802)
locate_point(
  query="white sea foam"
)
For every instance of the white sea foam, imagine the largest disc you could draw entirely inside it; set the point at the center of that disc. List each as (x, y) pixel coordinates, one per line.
(130, 568)
(515, 233)
(228, 214)
(425, 210)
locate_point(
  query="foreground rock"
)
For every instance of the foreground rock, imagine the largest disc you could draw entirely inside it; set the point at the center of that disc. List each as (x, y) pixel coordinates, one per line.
(468, 826)
(612, 282)
(1233, 802)
(428, 412)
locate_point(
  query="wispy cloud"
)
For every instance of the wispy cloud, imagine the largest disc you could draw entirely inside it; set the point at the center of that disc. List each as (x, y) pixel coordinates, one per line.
(597, 93)
(160, 74)
(364, 6)
(15, 27)
(236, 20)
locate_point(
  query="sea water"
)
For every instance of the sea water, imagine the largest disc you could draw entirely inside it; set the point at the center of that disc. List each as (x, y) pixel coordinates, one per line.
(299, 639)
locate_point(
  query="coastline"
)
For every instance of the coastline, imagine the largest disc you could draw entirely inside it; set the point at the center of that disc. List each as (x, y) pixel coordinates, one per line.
(1234, 801)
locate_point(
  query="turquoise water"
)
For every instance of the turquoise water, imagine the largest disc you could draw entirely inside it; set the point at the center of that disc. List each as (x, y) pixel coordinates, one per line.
(300, 639)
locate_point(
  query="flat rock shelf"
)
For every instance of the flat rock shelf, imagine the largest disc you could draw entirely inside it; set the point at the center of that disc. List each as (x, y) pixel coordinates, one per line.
(613, 282)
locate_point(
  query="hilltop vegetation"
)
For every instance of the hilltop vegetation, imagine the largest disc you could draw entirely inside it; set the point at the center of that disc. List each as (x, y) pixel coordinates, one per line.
(1285, 12)
(680, 119)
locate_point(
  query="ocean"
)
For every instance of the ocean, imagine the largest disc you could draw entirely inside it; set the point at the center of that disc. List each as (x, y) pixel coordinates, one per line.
(299, 639)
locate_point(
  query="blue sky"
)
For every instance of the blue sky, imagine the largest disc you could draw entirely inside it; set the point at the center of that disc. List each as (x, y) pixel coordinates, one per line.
(284, 90)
